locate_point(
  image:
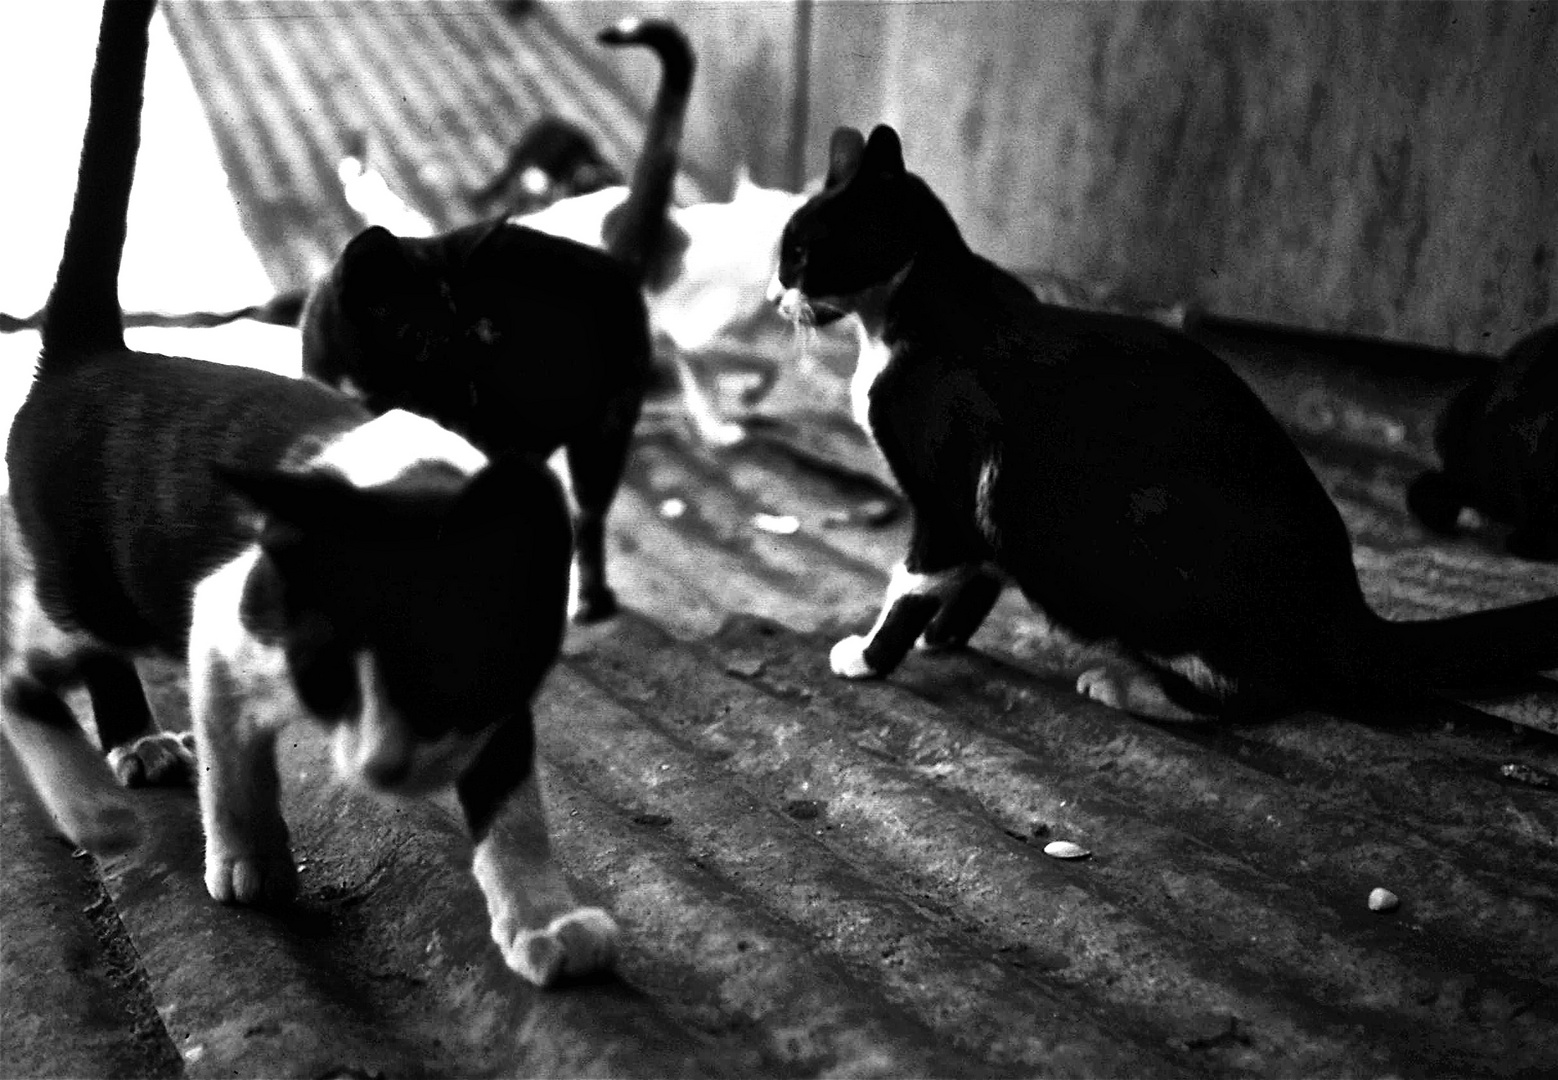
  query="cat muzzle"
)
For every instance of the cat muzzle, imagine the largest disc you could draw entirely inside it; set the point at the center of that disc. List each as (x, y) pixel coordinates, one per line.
(797, 309)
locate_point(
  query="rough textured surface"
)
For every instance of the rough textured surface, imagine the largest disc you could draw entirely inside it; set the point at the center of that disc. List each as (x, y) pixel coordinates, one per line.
(819, 877)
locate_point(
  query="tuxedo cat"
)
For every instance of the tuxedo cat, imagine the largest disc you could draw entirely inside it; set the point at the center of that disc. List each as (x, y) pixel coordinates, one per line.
(553, 159)
(1498, 445)
(1122, 476)
(378, 575)
(514, 338)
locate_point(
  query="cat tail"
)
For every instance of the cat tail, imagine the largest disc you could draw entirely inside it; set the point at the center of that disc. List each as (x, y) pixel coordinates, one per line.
(1462, 653)
(82, 316)
(636, 231)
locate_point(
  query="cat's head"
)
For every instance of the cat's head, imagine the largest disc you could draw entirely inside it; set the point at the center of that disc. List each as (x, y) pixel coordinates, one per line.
(866, 226)
(416, 616)
(424, 318)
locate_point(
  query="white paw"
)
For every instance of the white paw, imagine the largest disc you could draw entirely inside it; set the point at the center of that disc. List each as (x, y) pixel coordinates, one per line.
(721, 433)
(257, 878)
(582, 942)
(1102, 686)
(848, 658)
(166, 758)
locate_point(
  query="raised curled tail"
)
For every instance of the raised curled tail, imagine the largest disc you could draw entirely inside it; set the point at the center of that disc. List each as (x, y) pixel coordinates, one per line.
(82, 315)
(1463, 653)
(637, 230)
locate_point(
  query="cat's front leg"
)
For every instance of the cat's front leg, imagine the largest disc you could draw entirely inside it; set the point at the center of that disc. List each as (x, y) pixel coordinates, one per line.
(248, 857)
(963, 613)
(543, 933)
(910, 605)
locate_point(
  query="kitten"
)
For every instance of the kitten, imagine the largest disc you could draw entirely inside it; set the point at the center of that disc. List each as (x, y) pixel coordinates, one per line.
(1130, 484)
(514, 338)
(554, 159)
(1498, 442)
(378, 575)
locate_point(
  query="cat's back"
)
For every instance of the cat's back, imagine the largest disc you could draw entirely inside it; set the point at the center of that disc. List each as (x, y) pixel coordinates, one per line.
(113, 465)
(1110, 397)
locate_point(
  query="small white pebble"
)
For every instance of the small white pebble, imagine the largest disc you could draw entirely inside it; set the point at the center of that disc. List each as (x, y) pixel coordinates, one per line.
(671, 509)
(780, 524)
(1383, 900)
(1065, 849)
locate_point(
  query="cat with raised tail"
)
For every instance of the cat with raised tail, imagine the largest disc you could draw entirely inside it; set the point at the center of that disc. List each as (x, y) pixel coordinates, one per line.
(1498, 451)
(515, 338)
(1132, 486)
(378, 576)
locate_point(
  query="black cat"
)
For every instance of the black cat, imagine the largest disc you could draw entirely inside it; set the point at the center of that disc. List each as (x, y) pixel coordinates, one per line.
(307, 558)
(1498, 445)
(553, 159)
(1122, 476)
(512, 337)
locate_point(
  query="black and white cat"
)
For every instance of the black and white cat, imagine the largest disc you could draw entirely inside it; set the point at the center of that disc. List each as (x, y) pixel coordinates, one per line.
(1122, 476)
(378, 575)
(1498, 448)
(512, 337)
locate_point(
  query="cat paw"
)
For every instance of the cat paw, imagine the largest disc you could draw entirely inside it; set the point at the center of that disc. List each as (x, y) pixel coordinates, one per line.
(1102, 686)
(1133, 693)
(164, 759)
(721, 434)
(255, 879)
(582, 942)
(848, 658)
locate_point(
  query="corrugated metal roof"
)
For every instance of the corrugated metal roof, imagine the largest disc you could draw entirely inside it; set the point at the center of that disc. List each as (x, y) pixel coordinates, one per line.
(441, 90)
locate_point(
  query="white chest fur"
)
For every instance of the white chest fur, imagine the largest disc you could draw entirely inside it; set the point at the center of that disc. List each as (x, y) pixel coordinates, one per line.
(875, 355)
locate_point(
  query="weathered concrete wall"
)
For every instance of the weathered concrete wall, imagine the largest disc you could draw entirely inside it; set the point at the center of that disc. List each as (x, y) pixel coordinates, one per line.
(1381, 168)
(1386, 168)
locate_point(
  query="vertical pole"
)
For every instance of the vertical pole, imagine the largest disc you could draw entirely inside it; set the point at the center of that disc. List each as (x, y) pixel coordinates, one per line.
(800, 102)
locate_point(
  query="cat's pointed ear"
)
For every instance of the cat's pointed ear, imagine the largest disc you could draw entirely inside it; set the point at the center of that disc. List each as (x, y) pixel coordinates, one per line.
(374, 263)
(294, 498)
(884, 153)
(844, 151)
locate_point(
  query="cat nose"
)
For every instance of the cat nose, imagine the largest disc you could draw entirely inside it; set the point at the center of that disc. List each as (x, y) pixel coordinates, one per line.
(792, 305)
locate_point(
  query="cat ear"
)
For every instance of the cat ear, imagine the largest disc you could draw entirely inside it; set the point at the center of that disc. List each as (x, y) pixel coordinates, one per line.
(294, 498)
(374, 264)
(844, 151)
(884, 153)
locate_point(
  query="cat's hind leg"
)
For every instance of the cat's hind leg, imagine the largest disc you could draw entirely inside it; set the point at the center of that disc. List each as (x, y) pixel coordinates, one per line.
(1182, 689)
(542, 932)
(712, 428)
(596, 459)
(69, 775)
